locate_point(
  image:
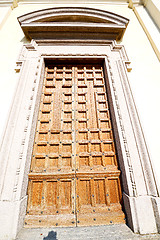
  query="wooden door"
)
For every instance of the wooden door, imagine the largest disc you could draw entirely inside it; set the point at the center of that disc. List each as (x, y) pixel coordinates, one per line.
(74, 178)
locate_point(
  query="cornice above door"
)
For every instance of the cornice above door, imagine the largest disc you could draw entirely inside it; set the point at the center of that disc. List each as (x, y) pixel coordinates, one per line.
(73, 23)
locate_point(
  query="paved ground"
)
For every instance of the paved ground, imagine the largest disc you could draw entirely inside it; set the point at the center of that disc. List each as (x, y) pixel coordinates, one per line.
(111, 232)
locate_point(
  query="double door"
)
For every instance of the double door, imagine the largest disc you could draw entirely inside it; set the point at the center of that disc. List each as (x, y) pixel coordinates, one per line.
(74, 178)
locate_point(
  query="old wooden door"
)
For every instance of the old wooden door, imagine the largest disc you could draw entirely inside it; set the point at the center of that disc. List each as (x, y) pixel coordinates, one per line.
(74, 178)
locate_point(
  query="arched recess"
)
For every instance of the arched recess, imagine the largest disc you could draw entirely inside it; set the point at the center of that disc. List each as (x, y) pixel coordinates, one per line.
(81, 34)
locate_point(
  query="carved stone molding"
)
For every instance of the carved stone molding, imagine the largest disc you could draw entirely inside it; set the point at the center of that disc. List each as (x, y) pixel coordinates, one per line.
(73, 23)
(127, 153)
(12, 3)
(18, 66)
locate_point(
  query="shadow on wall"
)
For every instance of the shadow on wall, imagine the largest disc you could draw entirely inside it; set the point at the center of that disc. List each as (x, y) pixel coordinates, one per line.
(51, 236)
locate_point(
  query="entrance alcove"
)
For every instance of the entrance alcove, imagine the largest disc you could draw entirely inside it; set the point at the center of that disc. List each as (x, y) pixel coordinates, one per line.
(77, 41)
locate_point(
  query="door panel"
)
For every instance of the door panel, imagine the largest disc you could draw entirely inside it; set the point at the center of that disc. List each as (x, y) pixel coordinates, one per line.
(74, 179)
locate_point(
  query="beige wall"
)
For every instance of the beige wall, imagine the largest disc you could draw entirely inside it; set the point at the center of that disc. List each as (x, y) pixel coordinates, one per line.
(144, 77)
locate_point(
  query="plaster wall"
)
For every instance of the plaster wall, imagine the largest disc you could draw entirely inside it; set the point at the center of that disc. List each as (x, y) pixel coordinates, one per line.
(150, 27)
(4, 13)
(153, 7)
(144, 77)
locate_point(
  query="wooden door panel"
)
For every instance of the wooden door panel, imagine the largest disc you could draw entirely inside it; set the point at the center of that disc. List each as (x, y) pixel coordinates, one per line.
(96, 203)
(97, 191)
(51, 203)
(91, 219)
(51, 195)
(97, 175)
(59, 220)
(51, 191)
(74, 179)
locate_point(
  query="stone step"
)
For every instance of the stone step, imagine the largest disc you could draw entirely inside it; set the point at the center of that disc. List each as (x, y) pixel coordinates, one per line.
(109, 232)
